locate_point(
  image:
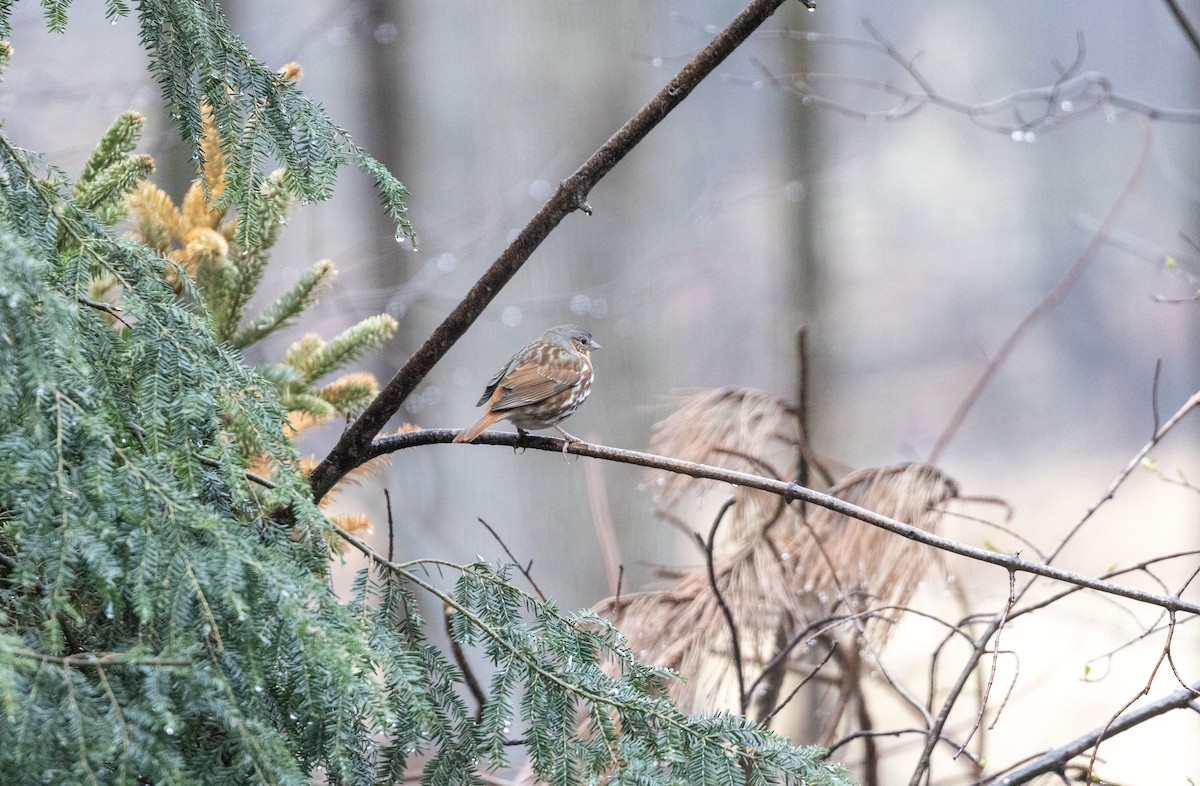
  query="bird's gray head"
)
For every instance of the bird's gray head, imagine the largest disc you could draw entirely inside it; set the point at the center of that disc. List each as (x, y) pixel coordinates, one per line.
(573, 335)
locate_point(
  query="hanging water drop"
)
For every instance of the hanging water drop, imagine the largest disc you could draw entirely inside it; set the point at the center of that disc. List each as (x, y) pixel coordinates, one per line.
(511, 316)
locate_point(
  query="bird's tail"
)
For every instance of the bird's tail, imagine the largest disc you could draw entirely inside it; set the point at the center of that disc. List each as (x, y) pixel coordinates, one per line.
(469, 434)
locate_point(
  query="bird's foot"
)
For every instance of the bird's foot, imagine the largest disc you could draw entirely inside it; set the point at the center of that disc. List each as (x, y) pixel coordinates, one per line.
(567, 440)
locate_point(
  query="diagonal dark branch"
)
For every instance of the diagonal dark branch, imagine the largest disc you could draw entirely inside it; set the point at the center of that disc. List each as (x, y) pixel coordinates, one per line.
(1056, 760)
(1184, 25)
(464, 665)
(766, 720)
(352, 448)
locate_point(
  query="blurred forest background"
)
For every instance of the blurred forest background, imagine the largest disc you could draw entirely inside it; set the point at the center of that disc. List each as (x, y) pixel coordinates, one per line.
(910, 250)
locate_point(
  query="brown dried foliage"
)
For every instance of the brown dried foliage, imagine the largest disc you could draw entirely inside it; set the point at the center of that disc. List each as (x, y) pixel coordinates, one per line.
(790, 576)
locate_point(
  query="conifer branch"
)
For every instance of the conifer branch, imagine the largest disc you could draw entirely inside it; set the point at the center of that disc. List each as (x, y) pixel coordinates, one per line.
(658, 712)
(302, 295)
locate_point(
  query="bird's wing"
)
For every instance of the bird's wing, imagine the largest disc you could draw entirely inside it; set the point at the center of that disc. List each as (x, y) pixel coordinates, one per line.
(495, 380)
(538, 380)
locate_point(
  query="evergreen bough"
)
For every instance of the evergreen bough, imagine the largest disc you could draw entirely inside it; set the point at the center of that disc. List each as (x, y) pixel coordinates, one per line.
(165, 615)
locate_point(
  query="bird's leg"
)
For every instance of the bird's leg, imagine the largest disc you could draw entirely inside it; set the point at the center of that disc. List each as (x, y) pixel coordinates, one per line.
(521, 435)
(567, 439)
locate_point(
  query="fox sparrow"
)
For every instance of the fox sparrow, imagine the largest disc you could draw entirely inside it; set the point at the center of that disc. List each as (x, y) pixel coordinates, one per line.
(540, 385)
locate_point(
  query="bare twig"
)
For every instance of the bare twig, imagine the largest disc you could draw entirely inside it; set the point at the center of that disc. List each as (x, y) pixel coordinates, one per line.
(1184, 24)
(1024, 541)
(350, 450)
(1171, 655)
(849, 738)
(391, 552)
(1162, 656)
(792, 694)
(1055, 761)
(1141, 566)
(824, 626)
(1074, 95)
(464, 666)
(1154, 396)
(804, 444)
(107, 308)
(606, 533)
(524, 570)
(1134, 462)
(794, 491)
(987, 691)
(1192, 403)
(1050, 301)
(895, 733)
(735, 645)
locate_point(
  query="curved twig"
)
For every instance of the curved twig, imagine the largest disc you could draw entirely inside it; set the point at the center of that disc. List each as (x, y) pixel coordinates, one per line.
(789, 491)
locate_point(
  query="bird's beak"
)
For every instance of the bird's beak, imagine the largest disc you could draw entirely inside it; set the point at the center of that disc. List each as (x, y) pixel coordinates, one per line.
(595, 345)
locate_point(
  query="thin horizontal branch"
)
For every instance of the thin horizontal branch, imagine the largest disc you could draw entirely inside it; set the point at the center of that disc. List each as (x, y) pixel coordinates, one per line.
(788, 491)
(1057, 759)
(571, 195)
(100, 659)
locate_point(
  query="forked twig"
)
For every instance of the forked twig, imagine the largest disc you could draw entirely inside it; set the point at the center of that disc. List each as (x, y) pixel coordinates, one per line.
(792, 694)
(1162, 656)
(1075, 93)
(523, 568)
(987, 691)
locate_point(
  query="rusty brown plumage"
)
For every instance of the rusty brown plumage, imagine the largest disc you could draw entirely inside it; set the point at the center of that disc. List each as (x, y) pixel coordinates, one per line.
(540, 385)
